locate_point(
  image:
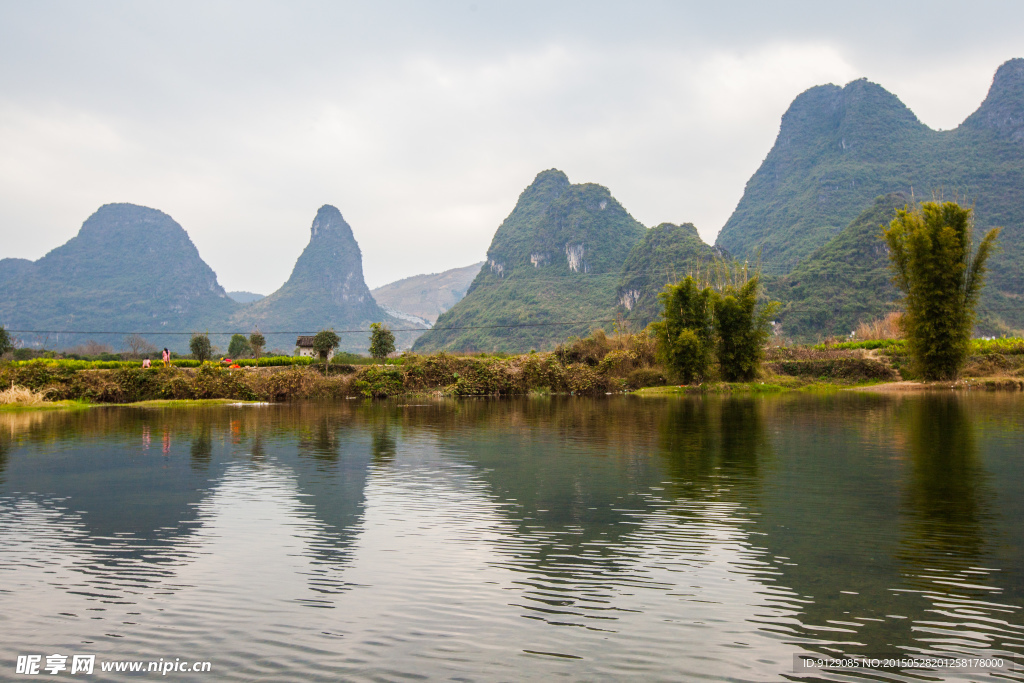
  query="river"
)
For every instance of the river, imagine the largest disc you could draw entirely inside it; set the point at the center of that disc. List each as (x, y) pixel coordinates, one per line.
(549, 538)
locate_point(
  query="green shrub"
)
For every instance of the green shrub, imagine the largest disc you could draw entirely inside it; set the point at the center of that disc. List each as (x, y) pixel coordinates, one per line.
(618, 362)
(378, 382)
(590, 350)
(847, 369)
(1006, 345)
(645, 377)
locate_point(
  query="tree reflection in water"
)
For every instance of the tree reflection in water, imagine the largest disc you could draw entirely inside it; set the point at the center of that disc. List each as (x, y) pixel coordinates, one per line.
(946, 496)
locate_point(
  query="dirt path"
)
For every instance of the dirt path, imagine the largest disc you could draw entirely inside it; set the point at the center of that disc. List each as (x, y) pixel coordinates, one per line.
(973, 383)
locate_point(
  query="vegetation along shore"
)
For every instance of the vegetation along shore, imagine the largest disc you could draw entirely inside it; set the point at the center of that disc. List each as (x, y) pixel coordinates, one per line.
(596, 365)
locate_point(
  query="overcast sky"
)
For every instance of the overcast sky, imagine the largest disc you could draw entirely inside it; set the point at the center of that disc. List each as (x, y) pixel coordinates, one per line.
(422, 122)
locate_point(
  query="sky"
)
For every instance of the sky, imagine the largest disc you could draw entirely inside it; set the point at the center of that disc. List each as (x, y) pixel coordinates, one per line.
(423, 121)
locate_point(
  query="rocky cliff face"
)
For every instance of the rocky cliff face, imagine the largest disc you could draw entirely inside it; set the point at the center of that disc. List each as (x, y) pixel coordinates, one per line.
(130, 268)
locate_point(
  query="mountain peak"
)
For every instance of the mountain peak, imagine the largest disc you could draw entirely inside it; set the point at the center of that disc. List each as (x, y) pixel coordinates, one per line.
(326, 287)
(124, 220)
(550, 177)
(129, 267)
(828, 111)
(1003, 108)
(555, 224)
(688, 229)
(329, 220)
(1010, 73)
(540, 267)
(547, 186)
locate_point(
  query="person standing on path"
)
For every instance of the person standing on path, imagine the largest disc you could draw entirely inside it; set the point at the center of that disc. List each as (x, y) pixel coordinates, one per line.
(167, 358)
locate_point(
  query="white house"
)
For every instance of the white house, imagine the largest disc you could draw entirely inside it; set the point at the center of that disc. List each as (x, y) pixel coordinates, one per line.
(304, 345)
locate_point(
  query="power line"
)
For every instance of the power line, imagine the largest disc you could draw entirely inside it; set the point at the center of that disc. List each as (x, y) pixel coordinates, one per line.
(305, 332)
(569, 323)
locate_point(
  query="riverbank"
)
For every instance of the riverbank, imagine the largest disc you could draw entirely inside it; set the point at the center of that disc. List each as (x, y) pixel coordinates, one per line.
(596, 365)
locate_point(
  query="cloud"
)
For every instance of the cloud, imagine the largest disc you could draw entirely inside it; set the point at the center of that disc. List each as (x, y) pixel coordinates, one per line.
(423, 123)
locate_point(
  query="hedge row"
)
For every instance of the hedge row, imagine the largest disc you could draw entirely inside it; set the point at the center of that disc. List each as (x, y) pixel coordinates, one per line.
(453, 375)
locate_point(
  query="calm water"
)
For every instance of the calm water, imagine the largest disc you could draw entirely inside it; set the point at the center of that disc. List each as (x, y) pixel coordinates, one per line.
(706, 539)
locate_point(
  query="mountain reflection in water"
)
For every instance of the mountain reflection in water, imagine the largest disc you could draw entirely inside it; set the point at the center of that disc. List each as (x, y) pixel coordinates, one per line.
(480, 540)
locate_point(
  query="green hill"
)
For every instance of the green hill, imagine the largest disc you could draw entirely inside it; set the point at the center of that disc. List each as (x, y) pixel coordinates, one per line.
(840, 148)
(666, 254)
(129, 268)
(325, 290)
(556, 258)
(844, 282)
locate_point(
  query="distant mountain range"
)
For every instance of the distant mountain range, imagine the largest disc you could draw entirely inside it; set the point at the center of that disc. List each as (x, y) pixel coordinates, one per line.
(134, 269)
(569, 257)
(246, 297)
(425, 297)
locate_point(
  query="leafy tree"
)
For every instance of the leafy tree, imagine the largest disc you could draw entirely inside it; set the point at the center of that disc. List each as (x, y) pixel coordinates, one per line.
(238, 346)
(382, 341)
(200, 346)
(930, 254)
(256, 342)
(324, 342)
(5, 341)
(684, 334)
(741, 329)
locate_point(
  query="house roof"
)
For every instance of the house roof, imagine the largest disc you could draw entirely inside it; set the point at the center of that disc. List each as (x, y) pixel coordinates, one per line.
(306, 342)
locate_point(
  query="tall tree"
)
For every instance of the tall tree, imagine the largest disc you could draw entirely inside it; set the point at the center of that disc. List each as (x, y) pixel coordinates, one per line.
(685, 334)
(941, 278)
(201, 348)
(382, 341)
(742, 329)
(5, 341)
(256, 342)
(324, 343)
(238, 346)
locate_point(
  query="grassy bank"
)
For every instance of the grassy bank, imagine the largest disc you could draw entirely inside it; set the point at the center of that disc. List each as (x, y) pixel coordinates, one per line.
(596, 365)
